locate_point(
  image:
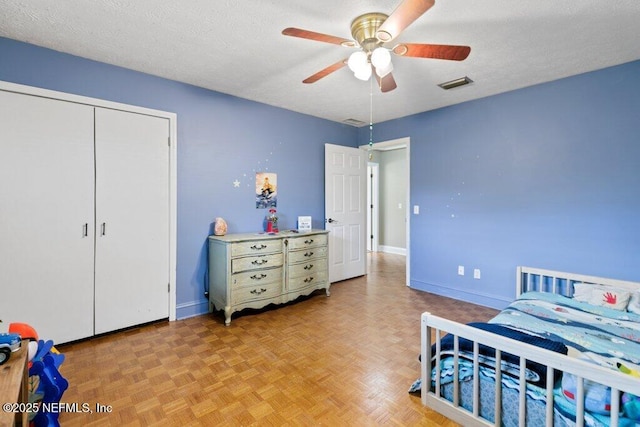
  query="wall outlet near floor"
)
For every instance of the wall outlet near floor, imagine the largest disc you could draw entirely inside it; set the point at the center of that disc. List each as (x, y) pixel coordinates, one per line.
(461, 270)
(476, 273)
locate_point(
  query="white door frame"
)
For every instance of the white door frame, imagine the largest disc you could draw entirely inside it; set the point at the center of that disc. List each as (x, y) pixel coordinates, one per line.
(404, 142)
(173, 151)
(373, 209)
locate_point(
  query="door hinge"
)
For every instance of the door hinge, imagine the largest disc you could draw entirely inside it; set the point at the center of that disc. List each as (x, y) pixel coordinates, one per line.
(169, 141)
(168, 287)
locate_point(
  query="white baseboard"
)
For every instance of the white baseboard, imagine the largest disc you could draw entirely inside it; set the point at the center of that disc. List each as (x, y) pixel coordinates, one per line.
(392, 250)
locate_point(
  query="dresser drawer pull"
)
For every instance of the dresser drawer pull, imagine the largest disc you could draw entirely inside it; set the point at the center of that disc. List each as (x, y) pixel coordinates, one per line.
(308, 266)
(308, 254)
(258, 291)
(260, 277)
(308, 241)
(260, 261)
(308, 280)
(257, 248)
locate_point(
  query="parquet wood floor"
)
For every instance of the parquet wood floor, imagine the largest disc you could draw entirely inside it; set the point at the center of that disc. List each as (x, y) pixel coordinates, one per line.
(347, 359)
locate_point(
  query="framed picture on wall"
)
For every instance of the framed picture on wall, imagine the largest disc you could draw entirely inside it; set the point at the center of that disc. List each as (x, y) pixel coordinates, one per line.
(266, 190)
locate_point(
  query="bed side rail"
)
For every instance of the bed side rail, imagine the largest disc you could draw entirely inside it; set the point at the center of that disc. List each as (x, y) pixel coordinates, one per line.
(434, 327)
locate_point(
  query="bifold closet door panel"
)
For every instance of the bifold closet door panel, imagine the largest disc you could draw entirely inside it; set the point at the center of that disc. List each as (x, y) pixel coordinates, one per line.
(132, 219)
(46, 215)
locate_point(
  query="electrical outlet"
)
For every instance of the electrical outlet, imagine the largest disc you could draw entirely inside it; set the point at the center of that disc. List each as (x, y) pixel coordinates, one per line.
(461, 270)
(416, 209)
(476, 273)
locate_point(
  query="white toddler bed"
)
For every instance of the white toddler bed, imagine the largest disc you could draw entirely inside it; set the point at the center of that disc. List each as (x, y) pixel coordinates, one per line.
(559, 359)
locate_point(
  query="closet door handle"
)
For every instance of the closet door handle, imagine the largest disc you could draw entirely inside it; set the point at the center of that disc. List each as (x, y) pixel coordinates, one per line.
(103, 229)
(85, 229)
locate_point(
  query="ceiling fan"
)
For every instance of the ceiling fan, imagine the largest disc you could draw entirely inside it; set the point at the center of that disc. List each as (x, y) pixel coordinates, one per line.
(370, 33)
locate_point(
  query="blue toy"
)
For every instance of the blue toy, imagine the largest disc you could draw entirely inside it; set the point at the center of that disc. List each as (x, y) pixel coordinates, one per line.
(8, 344)
(52, 384)
(631, 406)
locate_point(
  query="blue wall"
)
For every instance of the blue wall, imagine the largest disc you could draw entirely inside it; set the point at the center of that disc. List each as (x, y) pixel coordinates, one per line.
(221, 139)
(547, 176)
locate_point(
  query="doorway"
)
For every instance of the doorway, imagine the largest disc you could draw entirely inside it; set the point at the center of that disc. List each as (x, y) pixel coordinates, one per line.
(388, 199)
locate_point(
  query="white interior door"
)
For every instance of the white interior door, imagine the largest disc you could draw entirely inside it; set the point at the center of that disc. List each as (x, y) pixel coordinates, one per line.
(345, 213)
(46, 215)
(132, 219)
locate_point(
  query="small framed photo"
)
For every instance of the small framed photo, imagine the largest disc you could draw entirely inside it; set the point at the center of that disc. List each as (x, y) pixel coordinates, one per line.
(304, 223)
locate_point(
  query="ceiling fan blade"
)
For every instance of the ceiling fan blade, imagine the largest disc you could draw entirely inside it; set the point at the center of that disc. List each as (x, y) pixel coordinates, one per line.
(325, 72)
(404, 15)
(311, 35)
(386, 83)
(435, 51)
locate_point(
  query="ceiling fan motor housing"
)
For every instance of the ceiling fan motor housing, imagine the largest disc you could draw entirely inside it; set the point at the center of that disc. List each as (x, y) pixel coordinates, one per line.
(364, 28)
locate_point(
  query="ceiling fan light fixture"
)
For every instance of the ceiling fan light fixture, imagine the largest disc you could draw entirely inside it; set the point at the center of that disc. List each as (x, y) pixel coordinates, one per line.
(380, 57)
(381, 72)
(358, 61)
(363, 74)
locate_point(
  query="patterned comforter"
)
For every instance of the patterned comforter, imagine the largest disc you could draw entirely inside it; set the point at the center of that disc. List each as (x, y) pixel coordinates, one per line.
(604, 335)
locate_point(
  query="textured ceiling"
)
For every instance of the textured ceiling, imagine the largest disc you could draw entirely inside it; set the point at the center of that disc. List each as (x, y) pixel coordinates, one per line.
(236, 47)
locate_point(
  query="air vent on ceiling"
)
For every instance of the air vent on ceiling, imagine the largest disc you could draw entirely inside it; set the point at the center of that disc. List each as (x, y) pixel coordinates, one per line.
(456, 83)
(354, 122)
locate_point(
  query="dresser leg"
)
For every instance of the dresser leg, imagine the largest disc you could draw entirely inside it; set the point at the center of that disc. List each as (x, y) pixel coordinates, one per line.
(227, 316)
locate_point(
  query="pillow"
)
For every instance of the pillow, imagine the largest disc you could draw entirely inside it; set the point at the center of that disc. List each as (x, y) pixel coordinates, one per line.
(634, 303)
(604, 296)
(582, 291)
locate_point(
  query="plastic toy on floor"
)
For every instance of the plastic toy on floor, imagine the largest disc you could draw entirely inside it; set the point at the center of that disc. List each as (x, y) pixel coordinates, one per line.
(51, 383)
(48, 385)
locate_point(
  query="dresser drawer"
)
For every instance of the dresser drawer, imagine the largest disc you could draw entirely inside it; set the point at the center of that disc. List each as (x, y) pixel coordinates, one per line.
(307, 254)
(256, 262)
(307, 241)
(243, 294)
(307, 268)
(255, 278)
(301, 282)
(255, 247)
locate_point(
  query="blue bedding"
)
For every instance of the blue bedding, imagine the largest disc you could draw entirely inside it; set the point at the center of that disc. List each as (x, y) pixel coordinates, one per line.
(604, 336)
(536, 373)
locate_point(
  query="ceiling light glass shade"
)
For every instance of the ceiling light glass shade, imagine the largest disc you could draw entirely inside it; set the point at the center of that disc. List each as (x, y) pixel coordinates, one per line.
(364, 73)
(381, 72)
(380, 58)
(358, 61)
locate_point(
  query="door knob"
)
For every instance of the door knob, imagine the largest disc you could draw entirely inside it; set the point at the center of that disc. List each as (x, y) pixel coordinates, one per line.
(331, 220)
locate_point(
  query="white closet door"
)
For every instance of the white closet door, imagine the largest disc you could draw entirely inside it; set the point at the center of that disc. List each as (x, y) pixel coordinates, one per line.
(132, 219)
(46, 215)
